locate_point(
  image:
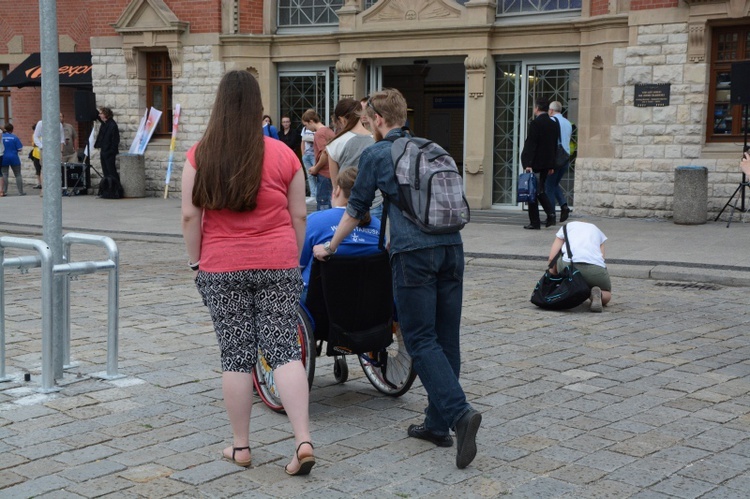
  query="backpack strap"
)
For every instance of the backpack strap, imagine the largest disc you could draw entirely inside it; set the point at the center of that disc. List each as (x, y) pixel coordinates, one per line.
(403, 132)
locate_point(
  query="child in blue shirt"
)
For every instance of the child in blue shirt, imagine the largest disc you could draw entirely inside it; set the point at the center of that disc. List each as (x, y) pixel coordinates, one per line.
(321, 225)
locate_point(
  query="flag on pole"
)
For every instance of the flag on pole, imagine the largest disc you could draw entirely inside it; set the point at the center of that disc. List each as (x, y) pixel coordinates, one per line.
(170, 161)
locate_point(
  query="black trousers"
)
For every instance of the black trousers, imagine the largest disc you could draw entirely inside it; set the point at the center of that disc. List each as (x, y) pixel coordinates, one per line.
(109, 168)
(541, 197)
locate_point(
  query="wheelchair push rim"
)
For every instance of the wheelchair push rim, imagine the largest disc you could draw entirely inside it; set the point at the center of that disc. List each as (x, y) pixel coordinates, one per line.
(390, 371)
(263, 378)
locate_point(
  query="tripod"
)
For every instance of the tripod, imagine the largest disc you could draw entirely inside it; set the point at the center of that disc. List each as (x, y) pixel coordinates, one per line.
(740, 188)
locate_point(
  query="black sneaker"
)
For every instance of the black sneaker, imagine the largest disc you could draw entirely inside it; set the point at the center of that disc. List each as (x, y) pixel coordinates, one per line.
(466, 436)
(419, 431)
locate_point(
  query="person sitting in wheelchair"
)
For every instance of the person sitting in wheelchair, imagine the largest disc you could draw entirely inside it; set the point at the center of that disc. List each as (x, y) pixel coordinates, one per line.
(321, 225)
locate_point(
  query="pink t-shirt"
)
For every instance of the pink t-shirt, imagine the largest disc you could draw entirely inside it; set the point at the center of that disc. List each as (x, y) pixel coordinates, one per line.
(260, 239)
(322, 136)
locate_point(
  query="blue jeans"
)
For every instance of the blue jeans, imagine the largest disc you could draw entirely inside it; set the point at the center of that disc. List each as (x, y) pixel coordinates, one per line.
(553, 189)
(325, 191)
(308, 160)
(428, 290)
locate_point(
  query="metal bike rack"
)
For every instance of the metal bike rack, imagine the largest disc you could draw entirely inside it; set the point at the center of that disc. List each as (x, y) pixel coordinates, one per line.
(68, 269)
(111, 265)
(43, 260)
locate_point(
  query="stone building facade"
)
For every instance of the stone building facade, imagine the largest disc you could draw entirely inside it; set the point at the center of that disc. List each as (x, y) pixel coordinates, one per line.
(470, 70)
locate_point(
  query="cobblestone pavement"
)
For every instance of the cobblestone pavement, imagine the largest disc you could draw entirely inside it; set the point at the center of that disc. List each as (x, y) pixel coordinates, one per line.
(648, 399)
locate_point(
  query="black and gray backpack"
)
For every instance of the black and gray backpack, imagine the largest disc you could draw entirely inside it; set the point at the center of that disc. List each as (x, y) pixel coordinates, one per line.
(431, 190)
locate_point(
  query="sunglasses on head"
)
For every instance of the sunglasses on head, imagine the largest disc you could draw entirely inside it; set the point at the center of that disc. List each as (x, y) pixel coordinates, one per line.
(369, 104)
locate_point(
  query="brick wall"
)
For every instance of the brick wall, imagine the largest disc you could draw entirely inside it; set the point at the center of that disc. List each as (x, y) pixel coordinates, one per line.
(599, 7)
(251, 16)
(652, 4)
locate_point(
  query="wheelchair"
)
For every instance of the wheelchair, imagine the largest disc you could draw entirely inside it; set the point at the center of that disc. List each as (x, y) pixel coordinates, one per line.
(349, 307)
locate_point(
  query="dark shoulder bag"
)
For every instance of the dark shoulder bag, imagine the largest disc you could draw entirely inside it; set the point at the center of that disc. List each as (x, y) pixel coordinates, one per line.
(567, 289)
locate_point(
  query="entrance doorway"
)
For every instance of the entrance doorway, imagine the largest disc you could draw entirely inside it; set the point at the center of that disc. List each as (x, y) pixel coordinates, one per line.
(435, 95)
(300, 90)
(517, 85)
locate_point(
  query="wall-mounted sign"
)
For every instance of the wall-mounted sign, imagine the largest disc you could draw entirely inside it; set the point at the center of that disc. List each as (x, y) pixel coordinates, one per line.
(448, 102)
(651, 95)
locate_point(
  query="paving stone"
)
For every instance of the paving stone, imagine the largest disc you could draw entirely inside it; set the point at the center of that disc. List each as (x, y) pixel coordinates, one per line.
(683, 487)
(37, 486)
(88, 471)
(99, 487)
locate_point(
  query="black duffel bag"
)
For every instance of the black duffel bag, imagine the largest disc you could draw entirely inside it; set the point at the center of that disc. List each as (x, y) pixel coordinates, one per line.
(567, 289)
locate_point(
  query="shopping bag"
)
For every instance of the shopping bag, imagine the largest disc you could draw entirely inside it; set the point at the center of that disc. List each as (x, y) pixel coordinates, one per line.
(526, 188)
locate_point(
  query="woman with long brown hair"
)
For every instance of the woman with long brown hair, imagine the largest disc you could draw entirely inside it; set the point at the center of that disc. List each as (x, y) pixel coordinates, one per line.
(243, 221)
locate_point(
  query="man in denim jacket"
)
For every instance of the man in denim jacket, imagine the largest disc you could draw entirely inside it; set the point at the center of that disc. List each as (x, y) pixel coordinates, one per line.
(427, 285)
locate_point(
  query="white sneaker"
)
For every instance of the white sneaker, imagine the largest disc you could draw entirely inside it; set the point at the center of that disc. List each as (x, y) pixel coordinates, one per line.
(310, 200)
(596, 299)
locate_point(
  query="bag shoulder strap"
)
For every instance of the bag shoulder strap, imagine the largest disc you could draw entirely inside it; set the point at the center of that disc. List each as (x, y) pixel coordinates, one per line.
(559, 131)
(567, 243)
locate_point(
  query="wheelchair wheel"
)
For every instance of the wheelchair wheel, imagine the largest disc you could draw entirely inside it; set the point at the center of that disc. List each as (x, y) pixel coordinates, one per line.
(340, 369)
(390, 371)
(263, 374)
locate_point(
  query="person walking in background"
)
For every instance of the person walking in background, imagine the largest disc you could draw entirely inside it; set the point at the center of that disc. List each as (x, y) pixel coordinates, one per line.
(553, 189)
(11, 160)
(268, 129)
(243, 221)
(428, 274)
(2, 153)
(70, 151)
(587, 245)
(348, 129)
(322, 137)
(288, 136)
(39, 144)
(351, 139)
(308, 159)
(539, 156)
(35, 156)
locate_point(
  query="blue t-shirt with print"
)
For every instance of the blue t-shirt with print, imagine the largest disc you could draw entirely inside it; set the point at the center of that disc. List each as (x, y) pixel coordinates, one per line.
(321, 226)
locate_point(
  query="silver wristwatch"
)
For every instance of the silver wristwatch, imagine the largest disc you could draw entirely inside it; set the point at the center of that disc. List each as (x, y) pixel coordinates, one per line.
(327, 247)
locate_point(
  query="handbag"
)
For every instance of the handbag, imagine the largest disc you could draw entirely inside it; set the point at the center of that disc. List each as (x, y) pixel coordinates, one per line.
(567, 289)
(526, 188)
(561, 157)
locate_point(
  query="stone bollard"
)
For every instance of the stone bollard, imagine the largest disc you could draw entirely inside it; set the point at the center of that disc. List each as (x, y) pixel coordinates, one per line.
(133, 175)
(690, 202)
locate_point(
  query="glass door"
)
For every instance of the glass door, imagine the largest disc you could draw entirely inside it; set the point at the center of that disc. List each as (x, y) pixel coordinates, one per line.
(517, 86)
(302, 90)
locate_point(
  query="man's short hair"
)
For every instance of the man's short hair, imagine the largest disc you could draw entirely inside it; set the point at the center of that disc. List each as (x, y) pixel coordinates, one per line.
(311, 115)
(9, 128)
(390, 104)
(542, 104)
(556, 106)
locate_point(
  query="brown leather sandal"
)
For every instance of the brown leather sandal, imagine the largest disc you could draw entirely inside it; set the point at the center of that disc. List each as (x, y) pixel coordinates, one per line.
(305, 463)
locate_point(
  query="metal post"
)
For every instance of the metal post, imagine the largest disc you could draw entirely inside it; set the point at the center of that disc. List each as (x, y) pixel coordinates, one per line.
(51, 159)
(3, 377)
(66, 308)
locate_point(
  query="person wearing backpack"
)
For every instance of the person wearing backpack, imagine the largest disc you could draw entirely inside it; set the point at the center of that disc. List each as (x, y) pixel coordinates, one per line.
(427, 282)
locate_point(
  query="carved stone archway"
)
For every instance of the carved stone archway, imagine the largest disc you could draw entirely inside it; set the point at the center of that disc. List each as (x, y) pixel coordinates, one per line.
(150, 23)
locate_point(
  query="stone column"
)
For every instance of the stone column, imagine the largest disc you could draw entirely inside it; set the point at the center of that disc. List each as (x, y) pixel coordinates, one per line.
(478, 165)
(348, 69)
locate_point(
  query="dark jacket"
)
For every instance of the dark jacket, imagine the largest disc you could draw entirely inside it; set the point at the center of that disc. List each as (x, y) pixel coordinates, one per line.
(108, 139)
(541, 144)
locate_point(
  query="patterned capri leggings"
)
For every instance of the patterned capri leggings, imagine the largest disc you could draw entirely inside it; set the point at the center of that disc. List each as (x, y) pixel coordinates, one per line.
(253, 309)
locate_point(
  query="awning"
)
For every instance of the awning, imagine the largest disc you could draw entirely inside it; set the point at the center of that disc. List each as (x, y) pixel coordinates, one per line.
(75, 71)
